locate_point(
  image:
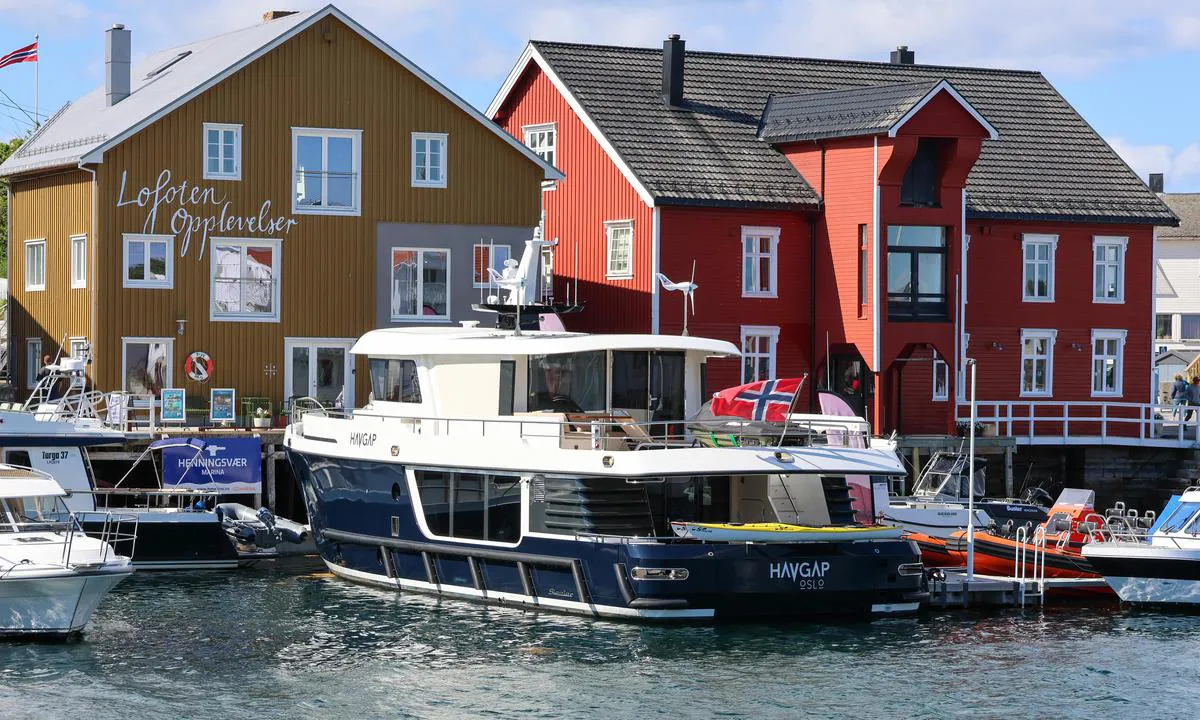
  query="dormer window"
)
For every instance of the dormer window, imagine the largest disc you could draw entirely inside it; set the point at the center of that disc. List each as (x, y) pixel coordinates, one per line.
(923, 178)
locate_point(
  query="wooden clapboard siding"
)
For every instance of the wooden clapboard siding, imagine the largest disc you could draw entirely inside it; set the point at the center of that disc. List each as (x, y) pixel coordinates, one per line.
(326, 77)
(55, 207)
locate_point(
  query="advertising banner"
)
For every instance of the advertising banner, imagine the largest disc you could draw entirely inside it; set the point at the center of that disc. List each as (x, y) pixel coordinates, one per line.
(174, 401)
(230, 465)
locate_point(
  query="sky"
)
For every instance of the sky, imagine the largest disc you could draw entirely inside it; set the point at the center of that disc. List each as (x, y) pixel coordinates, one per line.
(1128, 67)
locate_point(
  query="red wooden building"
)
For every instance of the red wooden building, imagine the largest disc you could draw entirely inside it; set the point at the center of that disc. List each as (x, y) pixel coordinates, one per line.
(873, 224)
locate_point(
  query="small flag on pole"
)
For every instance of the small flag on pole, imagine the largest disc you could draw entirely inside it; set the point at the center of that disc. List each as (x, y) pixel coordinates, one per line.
(20, 55)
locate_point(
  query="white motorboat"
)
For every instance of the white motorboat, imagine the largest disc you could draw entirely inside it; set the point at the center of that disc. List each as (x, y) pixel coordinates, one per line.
(53, 575)
(1161, 567)
(937, 506)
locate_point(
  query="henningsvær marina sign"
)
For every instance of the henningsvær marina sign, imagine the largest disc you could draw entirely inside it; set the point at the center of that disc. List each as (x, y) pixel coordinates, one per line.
(198, 210)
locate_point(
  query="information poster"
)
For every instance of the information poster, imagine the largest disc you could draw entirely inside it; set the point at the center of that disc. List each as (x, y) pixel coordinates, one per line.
(221, 401)
(173, 405)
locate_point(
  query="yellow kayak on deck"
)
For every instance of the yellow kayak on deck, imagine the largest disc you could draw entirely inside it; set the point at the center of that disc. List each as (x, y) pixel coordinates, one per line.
(783, 533)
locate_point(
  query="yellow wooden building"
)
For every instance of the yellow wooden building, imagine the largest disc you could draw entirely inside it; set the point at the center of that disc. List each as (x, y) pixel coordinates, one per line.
(259, 199)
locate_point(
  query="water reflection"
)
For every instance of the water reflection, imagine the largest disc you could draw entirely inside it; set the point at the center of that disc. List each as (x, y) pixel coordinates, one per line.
(272, 641)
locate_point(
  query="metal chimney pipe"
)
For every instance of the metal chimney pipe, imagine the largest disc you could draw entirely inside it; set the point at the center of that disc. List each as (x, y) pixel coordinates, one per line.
(672, 71)
(116, 64)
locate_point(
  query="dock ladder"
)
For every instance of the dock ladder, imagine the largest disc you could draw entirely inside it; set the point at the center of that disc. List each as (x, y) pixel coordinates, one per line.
(1026, 575)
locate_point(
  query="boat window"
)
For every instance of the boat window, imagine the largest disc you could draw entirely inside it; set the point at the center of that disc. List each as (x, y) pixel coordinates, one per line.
(18, 457)
(395, 380)
(508, 379)
(648, 384)
(694, 499)
(471, 505)
(568, 382)
(1180, 517)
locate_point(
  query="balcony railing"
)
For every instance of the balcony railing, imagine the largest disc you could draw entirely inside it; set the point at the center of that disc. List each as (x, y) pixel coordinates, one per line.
(1046, 422)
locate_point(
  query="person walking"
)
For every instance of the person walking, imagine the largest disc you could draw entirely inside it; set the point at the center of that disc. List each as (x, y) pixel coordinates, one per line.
(1193, 397)
(1179, 395)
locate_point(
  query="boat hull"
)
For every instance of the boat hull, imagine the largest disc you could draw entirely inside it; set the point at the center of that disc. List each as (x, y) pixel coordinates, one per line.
(177, 541)
(54, 604)
(365, 530)
(1140, 573)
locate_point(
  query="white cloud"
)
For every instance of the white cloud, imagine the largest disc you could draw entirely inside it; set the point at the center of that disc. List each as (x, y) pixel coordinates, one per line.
(1180, 166)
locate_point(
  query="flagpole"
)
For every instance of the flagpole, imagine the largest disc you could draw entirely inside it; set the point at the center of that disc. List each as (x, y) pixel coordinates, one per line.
(37, 85)
(787, 418)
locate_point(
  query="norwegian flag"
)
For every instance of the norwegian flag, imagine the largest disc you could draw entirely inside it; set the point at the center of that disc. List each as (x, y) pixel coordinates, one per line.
(769, 400)
(20, 55)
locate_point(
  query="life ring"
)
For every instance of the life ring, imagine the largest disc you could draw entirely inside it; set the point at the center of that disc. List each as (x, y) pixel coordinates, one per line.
(198, 366)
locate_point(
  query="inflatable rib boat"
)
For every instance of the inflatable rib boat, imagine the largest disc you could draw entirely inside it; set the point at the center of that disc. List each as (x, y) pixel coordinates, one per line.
(781, 533)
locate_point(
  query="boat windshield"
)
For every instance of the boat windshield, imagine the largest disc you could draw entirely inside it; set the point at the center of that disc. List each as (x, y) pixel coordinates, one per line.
(31, 513)
(946, 476)
(1185, 515)
(1076, 497)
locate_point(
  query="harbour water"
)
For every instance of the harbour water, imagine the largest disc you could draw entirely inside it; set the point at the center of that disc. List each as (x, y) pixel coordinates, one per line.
(294, 642)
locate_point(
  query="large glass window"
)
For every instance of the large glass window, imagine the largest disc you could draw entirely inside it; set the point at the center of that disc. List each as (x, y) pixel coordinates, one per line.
(569, 382)
(1108, 269)
(470, 505)
(917, 273)
(420, 284)
(1107, 351)
(620, 248)
(395, 380)
(429, 160)
(222, 151)
(35, 265)
(1038, 267)
(760, 261)
(1189, 326)
(648, 384)
(149, 262)
(146, 364)
(758, 352)
(1037, 362)
(922, 179)
(326, 165)
(245, 280)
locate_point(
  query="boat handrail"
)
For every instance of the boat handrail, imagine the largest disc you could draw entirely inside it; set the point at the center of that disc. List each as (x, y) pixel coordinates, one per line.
(163, 495)
(114, 531)
(602, 430)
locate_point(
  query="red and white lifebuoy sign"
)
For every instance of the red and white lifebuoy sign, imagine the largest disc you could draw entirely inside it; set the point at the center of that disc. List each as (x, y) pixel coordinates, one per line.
(198, 366)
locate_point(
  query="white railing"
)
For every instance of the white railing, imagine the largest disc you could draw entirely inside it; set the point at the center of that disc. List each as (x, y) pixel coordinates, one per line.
(1047, 422)
(607, 431)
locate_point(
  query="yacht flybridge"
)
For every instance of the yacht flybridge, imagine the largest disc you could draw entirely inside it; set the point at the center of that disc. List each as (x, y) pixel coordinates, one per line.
(546, 469)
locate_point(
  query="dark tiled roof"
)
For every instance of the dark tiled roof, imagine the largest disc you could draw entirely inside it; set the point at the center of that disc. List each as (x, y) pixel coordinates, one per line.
(1047, 164)
(1186, 207)
(839, 113)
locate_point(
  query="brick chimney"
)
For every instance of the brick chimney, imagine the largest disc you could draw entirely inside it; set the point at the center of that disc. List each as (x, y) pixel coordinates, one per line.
(270, 15)
(116, 64)
(903, 56)
(672, 71)
(1156, 182)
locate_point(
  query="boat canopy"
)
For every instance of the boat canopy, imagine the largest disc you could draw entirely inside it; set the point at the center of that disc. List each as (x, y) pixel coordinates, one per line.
(194, 443)
(412, 342)
(16, 482)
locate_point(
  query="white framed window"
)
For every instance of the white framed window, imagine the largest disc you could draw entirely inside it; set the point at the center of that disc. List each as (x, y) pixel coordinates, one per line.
(244, 280)
(1108, 351)
(488, 256)
(78, 261)
(420, 284)
(1108, 269)
(146, 364)
(33, 361)
(320, 368)
(429, 160)
(941, 379)
(327, 168)
(1037, 363)
(35, 264)
(148, 261)
(619, 234)
(758, 352)
(222, 151)
(760, 267)
(543, 141)
(1037, 277)
(78, 346)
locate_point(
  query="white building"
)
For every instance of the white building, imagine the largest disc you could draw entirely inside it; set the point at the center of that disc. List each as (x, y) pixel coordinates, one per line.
(1177, 297)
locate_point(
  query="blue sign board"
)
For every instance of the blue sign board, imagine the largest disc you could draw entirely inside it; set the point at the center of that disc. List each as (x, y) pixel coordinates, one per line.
(230, 465)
